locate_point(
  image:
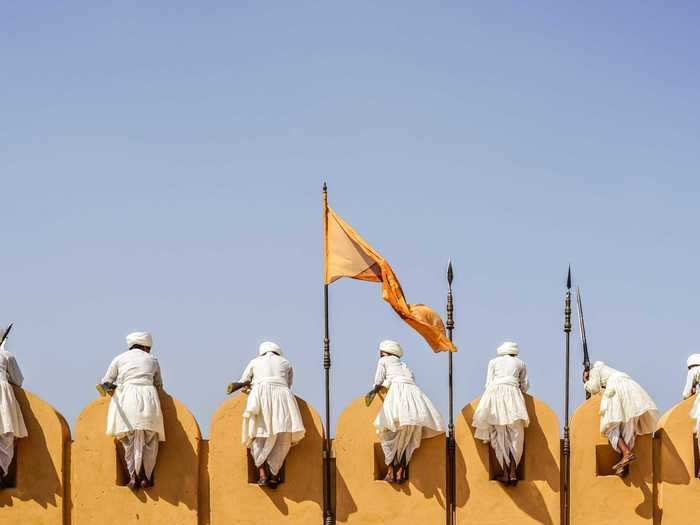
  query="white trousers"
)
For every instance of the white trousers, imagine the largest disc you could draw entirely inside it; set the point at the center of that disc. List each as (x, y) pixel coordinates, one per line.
(401, 444)
(140, 449)
(507, 440)
(626, 431)
(273, 449)
(7, 451)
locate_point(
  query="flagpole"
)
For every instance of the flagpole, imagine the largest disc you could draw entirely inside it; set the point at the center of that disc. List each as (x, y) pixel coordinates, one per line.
(329, 517)
(566, 457)
(450, 489)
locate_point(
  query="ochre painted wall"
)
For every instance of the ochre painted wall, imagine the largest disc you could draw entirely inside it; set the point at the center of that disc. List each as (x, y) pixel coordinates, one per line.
(234, 501)
(535, 499)
(362, 500)
(677, 487)
(95, 495)
(607, 499)
(38, 498)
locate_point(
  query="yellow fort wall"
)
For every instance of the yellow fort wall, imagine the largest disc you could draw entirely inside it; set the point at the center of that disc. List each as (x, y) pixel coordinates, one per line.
(598, 496)
(94, 492)
(535, 499)
(677, 488)
(360, 499)
(38, 497)
(207, 482)
(298, 500)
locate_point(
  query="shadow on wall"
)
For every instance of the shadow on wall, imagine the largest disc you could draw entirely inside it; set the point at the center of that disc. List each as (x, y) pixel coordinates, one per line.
(235, 498)
(38, 496)
(536, 497)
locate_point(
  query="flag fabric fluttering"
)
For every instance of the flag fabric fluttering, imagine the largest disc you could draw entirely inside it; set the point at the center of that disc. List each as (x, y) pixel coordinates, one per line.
(346, 254)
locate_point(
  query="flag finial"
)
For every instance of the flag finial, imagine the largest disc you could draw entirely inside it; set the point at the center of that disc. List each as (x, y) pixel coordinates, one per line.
(325, 187)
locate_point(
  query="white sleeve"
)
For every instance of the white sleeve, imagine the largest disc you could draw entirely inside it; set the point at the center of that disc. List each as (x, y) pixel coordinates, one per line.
(689, 383)
(247, 374)
(157, 376)
(112, 372)
(593, 384)
(14, 373)
(380, 375)
(524, 382)
(490, 373)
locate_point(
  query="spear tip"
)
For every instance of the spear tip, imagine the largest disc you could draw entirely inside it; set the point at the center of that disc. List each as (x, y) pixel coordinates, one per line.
(568, 279)
(450, 273)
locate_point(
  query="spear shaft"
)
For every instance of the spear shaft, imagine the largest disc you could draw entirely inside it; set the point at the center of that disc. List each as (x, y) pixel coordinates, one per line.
(567, 445)
(450, 489)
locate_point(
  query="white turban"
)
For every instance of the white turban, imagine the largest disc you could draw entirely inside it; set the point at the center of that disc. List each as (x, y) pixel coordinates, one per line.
(269, 346)
(391, 347)
(598, 364)
(139, 338)
(508, 348)
(694, 360)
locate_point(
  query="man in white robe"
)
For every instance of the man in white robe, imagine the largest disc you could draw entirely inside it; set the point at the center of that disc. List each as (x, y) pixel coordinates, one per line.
(501, 416)
(626, 410)
(11, 421)
(135, 417)
(691, 383)
(407, 415)
(272, 422)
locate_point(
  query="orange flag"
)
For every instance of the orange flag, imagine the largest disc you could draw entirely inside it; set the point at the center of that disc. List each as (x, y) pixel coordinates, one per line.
(346, 254)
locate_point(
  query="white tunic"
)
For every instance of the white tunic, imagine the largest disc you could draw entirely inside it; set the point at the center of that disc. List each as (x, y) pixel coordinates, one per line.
(503, 402)
(624, 400)
(692, 379)
(11, 420)
(405, 404)
(135, 404)
(271, 408)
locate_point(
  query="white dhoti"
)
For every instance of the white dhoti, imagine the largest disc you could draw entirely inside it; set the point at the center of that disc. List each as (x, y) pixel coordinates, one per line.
(7, 451)
(695, 414)
(273, 449)
(507, 441)
(501, 418)
(272, 423)
(626, 411)
(140, 450)
(405, 419)
(399, 446)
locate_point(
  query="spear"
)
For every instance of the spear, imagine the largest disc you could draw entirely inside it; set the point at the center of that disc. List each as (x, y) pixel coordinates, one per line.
(582, 333)
(4, 336)
(566, 445)
(451, 488)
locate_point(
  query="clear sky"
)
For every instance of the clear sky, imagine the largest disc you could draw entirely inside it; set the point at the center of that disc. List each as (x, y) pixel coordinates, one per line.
(161, 169)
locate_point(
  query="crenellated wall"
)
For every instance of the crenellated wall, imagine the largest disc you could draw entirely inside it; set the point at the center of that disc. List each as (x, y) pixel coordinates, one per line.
(361, 498)
(677, 487)
(198, 482)
(38, 497)
(235, 499)
(535, 499)
(597, 494)
(95, 492)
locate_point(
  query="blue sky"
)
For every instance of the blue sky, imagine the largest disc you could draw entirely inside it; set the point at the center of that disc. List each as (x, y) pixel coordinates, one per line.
(161, 168)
